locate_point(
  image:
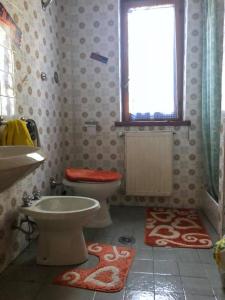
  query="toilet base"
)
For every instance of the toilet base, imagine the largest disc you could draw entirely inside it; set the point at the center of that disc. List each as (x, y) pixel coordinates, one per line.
(57, 248)
(99, 191)
(102, 218)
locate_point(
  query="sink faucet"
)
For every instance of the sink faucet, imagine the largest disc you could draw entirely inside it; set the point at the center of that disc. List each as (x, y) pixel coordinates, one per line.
(27, 200)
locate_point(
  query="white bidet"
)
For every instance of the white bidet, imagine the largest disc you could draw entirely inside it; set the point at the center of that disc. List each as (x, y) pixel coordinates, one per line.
(60, 221)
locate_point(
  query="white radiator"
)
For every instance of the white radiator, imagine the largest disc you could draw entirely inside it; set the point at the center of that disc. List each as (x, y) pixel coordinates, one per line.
(149, 161)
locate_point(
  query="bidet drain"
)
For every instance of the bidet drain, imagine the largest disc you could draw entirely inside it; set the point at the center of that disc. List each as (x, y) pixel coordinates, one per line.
(125, 240)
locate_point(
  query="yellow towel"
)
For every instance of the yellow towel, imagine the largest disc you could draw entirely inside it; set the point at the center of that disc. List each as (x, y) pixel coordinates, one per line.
(16, 133)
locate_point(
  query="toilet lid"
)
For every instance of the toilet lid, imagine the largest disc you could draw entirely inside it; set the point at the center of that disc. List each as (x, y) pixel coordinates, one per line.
(72, 174)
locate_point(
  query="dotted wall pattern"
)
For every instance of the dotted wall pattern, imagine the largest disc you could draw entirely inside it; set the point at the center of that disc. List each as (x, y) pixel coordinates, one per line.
(96, 96)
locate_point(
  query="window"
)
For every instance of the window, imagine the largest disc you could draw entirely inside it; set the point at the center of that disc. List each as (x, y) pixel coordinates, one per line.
(6, 74)
(7, 95)
(152, 42)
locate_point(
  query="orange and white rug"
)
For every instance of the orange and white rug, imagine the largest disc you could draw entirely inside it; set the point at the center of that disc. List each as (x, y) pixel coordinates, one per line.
(108, 276)
(183, 228)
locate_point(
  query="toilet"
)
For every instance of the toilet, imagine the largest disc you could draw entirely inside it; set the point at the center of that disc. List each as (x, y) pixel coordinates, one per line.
(96, 184)
(60, 220)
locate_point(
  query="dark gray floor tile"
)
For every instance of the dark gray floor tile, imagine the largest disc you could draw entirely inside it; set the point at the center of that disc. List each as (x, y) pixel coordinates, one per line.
(166, 267)
(213, 275)
(168, 284)
(109, 296)
(197, 286)
(26, 273)
(140, 244)
(26, 258)
(116, 242)
(124, 231)
(192, 269)
(54, 292)
(206, 256)
(142, 266)
(144, 253)
(32, 246)
(140, 281)
(92, 262)
(18, 290)
(100, 235)
(187, 255)
(138, 295)
(199, 297)
(100, 238)
(163, 253)
(171, 296)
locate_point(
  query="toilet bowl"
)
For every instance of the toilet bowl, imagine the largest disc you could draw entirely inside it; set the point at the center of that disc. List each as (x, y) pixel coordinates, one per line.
(96, 184)
(60, 221)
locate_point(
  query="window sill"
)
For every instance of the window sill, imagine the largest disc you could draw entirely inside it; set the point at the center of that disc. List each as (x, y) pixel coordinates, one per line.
(153, 123)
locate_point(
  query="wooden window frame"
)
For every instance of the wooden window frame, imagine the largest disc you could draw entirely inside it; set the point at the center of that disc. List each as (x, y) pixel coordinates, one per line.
(179, 13)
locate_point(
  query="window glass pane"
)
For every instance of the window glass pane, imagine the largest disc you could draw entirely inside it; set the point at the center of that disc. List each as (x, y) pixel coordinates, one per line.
(6, 84)
(7, 96)
(7, 107)
(6, 60)
(5, 35)
(151, 41)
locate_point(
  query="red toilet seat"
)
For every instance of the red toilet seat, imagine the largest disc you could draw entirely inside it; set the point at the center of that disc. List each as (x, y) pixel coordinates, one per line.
(72, 174)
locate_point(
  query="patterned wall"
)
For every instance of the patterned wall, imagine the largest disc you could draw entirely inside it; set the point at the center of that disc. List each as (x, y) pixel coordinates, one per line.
(42, 50)
(97, 97)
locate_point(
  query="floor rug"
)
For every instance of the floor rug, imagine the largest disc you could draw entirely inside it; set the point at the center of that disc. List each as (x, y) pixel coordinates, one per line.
(182, 228)
(108, 276)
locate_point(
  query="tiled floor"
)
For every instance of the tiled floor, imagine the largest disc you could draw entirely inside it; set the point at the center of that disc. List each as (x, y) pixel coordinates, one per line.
(156, 274)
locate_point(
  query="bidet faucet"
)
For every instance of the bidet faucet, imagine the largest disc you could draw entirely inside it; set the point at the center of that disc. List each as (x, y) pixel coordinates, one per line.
(27, 200)
(36, 195)
(54, 183)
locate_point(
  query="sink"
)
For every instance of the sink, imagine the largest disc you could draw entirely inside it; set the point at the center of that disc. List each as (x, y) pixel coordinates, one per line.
(16, 162)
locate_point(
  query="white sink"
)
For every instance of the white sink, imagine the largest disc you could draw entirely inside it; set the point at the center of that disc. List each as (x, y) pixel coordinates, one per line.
(16, 162)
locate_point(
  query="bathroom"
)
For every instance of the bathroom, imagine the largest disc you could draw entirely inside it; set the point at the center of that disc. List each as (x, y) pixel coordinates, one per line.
(60, 39)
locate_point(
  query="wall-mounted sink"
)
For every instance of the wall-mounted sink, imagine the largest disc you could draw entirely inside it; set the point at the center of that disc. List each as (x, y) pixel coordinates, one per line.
(16, 162)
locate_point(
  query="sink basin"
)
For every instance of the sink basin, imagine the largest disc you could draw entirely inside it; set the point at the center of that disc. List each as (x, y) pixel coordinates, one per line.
(16, 162)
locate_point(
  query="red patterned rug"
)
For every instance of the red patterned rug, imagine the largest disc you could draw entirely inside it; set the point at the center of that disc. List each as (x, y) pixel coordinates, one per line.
(108, 276)
(182, 228)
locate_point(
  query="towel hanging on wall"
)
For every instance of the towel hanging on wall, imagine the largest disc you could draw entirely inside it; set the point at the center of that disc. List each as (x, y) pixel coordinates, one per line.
(16, 133)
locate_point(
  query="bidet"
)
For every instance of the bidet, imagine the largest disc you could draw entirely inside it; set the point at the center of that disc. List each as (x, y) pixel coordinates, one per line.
(60, 220)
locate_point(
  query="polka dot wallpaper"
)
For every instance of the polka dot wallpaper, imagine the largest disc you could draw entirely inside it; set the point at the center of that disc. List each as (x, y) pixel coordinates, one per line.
(96, 96)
